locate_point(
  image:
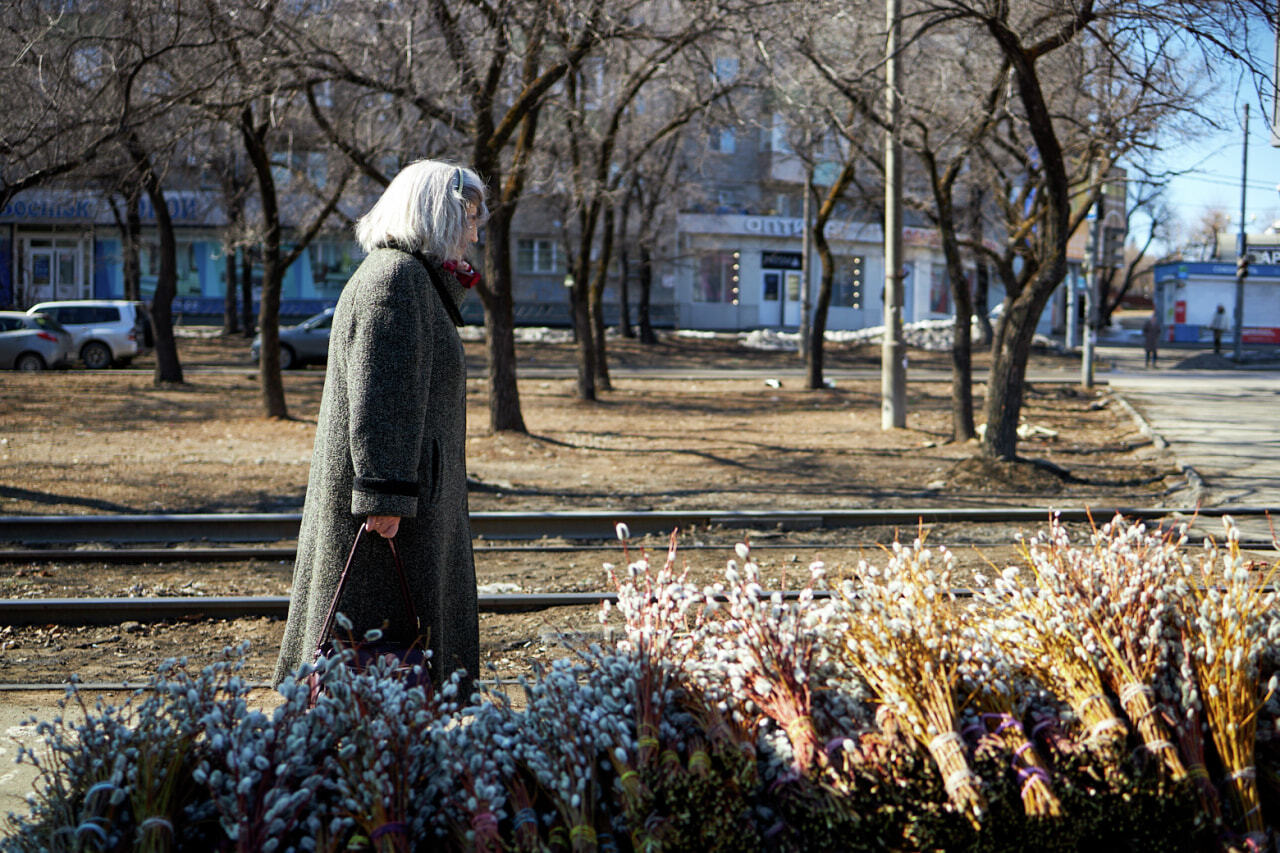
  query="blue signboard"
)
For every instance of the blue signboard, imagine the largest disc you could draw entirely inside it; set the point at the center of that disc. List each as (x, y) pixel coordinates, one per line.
(1185, 269)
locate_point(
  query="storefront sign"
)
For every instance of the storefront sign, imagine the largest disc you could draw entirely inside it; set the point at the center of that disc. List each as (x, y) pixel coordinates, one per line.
(781, 226)
(781, 260)
(771, 226)
(69, 206)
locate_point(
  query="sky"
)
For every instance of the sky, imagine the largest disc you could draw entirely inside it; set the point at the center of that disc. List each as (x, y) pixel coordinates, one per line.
(1215, 173)
(1213, 160)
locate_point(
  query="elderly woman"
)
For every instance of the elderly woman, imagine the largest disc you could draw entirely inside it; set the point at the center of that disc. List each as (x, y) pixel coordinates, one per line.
(390, 442)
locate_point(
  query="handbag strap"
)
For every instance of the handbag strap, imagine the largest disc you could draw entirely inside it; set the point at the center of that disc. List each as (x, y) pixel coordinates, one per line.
(332, 615)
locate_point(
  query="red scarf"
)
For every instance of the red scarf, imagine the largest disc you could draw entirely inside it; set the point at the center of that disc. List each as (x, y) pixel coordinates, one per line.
(464, 272)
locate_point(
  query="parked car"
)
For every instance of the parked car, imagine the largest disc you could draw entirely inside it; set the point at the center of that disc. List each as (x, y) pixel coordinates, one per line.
(104, 332)
(305, 343)
(32, 341)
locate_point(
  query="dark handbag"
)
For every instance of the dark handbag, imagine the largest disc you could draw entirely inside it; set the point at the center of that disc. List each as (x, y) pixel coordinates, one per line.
(410, 659)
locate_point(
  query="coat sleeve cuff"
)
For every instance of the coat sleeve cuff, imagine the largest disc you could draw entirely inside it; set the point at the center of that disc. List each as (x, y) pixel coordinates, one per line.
(366, 503)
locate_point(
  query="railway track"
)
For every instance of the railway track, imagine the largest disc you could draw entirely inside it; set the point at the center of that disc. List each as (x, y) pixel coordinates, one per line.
(580, 524)
(490, 528)
(115, 640)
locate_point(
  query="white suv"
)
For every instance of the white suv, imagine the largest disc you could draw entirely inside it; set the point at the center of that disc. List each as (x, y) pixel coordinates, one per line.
(104, 332)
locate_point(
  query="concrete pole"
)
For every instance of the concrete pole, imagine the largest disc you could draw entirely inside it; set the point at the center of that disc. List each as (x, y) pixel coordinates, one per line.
(1071, 312)
(1089, 330)
(806, 249)
(1242, 245)
(893, 352)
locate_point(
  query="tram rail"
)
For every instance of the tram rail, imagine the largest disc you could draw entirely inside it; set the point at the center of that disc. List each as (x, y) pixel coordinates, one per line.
(573, 525)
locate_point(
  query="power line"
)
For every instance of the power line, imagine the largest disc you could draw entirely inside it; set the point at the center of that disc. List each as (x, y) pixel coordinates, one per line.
(1222, 180)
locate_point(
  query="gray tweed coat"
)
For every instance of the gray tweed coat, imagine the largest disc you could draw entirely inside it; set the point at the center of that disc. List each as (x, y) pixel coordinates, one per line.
(390, 441)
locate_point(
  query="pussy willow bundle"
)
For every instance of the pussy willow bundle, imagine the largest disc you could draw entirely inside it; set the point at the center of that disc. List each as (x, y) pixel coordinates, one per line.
(766, 650)
(1040, 636)
(905, 635)
(1117, 593)
(1001, 707)
(1233, 624)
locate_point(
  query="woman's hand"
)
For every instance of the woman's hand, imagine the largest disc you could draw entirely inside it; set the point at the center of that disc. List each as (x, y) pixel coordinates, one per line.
(383, 525)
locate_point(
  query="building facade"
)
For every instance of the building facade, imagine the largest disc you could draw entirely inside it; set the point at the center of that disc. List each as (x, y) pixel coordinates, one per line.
(66, 244)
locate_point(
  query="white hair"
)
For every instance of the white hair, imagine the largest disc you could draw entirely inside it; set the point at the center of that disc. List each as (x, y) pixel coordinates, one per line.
(424, 209)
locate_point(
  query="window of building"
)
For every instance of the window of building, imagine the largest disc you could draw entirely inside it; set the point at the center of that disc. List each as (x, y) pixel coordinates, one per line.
(726, 69)
(781, 143)
(846, 284)
(537, 256)
(722, 139)
(717, 277)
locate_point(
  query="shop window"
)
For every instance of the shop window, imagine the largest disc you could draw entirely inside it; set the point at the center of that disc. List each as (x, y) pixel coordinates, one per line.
(717, 277)
(772, 286)
(189, 269)
(332, 263)
(847, 281)
(537, 256)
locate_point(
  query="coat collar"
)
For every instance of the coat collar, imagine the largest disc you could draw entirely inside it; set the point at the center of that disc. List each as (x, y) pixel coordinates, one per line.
(447, 285)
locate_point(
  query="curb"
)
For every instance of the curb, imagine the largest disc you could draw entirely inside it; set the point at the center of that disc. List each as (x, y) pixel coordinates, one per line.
(1195, 482)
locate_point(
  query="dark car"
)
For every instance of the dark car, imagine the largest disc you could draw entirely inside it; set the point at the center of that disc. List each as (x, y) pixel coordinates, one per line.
(305, 343)
(32, 341)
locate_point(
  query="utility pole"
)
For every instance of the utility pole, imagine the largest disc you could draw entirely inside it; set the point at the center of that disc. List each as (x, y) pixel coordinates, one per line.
(893, 352)
(1275, 89)
(806, 249)
(1090, 275)
(1242, 245)
(1072, 293)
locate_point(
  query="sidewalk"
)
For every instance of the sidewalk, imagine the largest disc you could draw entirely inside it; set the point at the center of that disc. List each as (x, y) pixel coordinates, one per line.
(1219, 424)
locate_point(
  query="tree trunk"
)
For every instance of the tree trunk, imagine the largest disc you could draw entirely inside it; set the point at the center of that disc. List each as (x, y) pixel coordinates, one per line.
(168, 368)
(582, 331)
(962, 428)
(624, 274)
(982, 273)
(499, 323)
(598, 281)
(1018, 323)
(1009, 354)
(230, 317)
(647, 337)
(132, 240)
(814, 356)
(271, 383)
(982, 301)
(246, 292)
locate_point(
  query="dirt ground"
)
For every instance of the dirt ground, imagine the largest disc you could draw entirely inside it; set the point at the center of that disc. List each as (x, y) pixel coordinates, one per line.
(74, 442)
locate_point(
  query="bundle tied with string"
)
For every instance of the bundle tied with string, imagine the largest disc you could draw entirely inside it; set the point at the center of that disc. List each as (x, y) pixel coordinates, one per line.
(904, 636)
(1000, 707)
(766, 648)
(1232, 626)
(1119, 592)
(1043, 639)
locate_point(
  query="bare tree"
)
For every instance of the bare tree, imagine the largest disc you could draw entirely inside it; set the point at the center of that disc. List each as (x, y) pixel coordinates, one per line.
(605, 138)
(479, 74)
(262, 101)
(61, 105)
(1112, 77)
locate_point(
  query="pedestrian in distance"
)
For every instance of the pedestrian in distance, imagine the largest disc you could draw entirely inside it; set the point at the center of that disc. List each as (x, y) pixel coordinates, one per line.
(391, 436)
(1218, 325)
(1151, 339)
